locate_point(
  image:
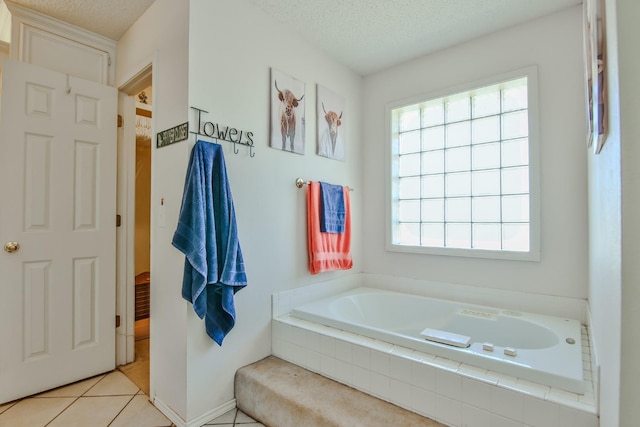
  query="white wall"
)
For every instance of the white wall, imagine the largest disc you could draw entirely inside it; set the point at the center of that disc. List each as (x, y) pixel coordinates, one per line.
(605, 244)
(160, 37)
(628, 12)
(232, 47)
(614, 234)
(554, 44)
(226, 67)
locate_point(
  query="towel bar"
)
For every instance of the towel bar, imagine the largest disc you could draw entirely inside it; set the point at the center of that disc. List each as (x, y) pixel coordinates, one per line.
(301, 183)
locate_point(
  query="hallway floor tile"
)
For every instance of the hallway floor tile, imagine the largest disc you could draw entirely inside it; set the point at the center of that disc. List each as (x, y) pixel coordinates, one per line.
(108, 400)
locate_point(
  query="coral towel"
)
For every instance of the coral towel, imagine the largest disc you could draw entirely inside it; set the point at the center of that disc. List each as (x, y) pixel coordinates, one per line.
(327, 251)
(207, 234)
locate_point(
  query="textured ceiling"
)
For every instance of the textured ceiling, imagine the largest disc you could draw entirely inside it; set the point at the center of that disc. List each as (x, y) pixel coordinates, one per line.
(365, 35)
(109, 18)
(369, 35)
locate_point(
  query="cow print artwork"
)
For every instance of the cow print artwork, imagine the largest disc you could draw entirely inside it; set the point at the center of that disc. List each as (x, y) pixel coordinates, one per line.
(287, 113)
(331, 124)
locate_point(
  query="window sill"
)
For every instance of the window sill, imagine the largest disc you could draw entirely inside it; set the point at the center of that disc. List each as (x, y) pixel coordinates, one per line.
(532, 255)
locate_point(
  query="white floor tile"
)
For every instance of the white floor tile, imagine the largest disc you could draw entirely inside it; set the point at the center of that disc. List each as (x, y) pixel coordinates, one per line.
(113, 384)
(140, 413)
(91, 411)
(6, 406)
(72, 390)
(243, 418)
(34, 412)
(228, 418)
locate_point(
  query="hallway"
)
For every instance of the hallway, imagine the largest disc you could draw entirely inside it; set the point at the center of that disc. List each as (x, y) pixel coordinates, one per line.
(138, 370)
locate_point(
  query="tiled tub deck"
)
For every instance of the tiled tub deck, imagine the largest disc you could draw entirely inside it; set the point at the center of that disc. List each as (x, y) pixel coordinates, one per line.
(450, 392)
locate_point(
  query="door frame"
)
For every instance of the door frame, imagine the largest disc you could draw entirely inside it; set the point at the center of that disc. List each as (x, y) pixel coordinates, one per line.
(125, 207)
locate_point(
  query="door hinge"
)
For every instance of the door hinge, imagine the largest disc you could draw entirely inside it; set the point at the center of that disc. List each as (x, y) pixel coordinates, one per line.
(119, 121)
(117, 320)
(118, 220)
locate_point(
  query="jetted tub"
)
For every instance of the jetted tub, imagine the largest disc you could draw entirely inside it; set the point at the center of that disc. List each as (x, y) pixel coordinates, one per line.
(537, 348)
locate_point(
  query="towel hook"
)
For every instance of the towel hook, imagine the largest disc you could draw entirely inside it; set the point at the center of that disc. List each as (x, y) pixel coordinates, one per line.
(217, 132)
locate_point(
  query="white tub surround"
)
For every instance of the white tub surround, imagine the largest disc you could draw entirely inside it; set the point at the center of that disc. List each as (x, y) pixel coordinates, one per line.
(537, 348)
(453, 392)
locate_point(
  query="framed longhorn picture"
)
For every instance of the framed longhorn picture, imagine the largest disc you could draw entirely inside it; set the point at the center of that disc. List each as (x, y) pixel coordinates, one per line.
(595, 73)
(331, 124)
(287, 113)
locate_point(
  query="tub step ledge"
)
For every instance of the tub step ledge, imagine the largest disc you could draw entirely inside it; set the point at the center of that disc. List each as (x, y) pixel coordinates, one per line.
(281, 394)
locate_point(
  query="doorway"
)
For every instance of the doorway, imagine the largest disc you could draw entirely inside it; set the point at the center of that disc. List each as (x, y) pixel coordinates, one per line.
(136, 280)
(138, 370)
(142, 233)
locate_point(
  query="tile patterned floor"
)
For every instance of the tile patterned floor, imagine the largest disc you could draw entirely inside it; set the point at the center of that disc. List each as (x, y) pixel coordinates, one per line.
(138, 370)
(234, 418)
(109, 400)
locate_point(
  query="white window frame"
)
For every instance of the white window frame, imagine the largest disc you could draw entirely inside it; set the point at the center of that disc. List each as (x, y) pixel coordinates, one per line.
(534, 171)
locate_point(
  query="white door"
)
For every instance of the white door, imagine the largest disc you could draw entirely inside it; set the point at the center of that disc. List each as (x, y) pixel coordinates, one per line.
(57, 201)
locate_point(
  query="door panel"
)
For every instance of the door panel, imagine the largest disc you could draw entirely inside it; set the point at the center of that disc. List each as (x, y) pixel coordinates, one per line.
(57, 200)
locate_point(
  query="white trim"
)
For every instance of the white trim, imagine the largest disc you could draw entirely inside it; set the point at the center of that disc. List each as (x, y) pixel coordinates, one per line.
(125, 349)
(138, 81)
(168, 412)
(125, 283)
(196, 422)
(61, 27)
(23, 17)
(212, 414)
(121, 332)
(533, 254)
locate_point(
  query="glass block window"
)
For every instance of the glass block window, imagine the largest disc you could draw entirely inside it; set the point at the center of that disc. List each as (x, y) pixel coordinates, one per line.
(461, 170)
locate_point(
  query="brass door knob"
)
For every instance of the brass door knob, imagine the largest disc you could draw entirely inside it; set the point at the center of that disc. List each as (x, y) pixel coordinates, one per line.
(12, 247)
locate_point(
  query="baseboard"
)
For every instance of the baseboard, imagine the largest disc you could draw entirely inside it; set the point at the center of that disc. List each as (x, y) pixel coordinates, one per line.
(169, 413)
(196, 422)
(212, 414)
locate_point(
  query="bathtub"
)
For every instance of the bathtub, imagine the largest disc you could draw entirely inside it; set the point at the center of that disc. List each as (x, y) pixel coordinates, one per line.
(537, 348)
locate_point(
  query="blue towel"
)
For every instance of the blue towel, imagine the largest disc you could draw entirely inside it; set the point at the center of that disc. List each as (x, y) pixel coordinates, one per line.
(332, 212)
(208, 236)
